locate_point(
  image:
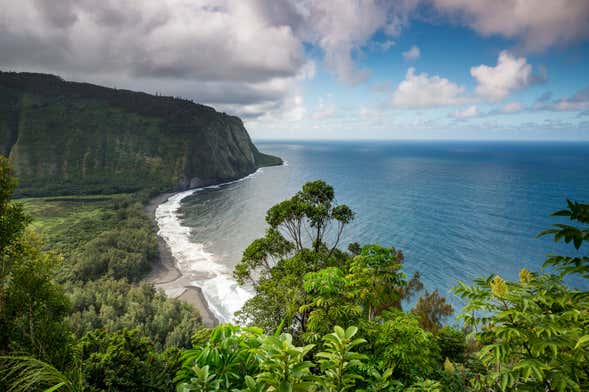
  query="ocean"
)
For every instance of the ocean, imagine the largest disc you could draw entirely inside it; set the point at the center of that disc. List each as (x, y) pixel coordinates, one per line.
(457, 209)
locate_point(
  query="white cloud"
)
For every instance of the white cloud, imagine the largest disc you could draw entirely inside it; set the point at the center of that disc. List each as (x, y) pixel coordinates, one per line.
(511, 73)
(373, 116)
(325, 109)
(566, 105)
(287, 116)
(219, 52)
(471, 111)
(294, 109)
(423, 91)
(579, 101)
(233, 55)
(386, 45)
(342, 27)
(512, 107)
(412, 54)
(536, 24)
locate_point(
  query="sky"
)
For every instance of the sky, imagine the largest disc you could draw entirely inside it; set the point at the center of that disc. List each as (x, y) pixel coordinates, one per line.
(328, 69)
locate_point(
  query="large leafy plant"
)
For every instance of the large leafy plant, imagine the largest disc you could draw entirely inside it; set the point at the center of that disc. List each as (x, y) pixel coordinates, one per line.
(338, 362)
(535, 332)
(222, 362)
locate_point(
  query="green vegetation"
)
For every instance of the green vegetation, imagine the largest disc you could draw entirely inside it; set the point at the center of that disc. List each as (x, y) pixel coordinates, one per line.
(110, 245)
(535, 332)
(67, 138)
(107, 236)
(67, 223)
(74, 306)
(333, 320)
(322, 319)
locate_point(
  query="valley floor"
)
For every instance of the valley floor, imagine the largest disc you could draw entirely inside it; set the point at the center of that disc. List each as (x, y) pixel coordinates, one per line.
(67, 223)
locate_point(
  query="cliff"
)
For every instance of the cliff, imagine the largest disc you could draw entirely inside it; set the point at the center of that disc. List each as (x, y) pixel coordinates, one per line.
(74, 138)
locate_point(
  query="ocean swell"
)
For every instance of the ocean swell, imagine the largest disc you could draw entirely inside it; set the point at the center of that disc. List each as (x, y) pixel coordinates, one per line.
(198, 267)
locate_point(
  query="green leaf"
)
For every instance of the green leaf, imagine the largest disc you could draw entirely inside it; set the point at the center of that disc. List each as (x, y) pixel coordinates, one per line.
(55, 387)
(582, 341)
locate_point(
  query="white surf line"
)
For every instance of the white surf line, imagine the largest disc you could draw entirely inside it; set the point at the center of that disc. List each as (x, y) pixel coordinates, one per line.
(222, 293)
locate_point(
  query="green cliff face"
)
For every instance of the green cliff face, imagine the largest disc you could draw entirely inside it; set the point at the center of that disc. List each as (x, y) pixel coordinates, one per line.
(73, 138)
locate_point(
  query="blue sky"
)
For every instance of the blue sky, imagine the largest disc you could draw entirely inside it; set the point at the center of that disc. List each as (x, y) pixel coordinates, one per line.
(337, 69)
(338, 110)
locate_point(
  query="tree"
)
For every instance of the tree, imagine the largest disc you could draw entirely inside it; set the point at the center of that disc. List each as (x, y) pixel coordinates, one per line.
(36, 306)
(295, 243)
(311, 211)
(12, 225)
(114, 305)
(261, 255)
(534, 332)
(376, 279)
(431, 309)
(279, 296)
(452, 343)
(124, 360)
(330, 302)
(32, 305)
(295, 223)
(360, 290)
(13, 220)
(402, 345)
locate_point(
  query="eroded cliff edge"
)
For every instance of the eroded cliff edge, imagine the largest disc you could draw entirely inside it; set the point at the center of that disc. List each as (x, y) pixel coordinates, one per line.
(75, 138)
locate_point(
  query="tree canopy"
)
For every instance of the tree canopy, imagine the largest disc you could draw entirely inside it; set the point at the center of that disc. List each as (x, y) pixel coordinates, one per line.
(322, 319)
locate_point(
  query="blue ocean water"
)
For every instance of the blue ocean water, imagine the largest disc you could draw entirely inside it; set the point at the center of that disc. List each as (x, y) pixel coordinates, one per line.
(456, 209)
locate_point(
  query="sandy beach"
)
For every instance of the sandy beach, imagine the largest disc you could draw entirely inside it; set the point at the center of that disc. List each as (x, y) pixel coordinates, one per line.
(166, 276)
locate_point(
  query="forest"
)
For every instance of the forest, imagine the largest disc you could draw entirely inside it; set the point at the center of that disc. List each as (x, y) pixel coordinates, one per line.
(70, 138)
(76, 314)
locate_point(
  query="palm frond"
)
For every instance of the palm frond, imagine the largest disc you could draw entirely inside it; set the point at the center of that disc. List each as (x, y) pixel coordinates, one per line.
(24, 373)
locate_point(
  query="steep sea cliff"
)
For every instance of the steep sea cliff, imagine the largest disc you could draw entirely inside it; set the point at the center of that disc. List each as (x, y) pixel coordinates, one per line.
(74, 138)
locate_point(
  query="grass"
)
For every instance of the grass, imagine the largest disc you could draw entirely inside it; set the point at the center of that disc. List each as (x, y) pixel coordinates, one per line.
(67, 223)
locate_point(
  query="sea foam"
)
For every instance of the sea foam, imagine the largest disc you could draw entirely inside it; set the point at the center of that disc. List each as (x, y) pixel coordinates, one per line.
(202, 268)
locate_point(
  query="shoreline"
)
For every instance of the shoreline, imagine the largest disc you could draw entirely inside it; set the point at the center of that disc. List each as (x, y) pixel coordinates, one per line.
(166, 276)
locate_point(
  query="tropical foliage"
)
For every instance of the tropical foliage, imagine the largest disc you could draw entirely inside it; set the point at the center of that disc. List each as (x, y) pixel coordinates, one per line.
(73, 317)
(50, 311)
(535, 332)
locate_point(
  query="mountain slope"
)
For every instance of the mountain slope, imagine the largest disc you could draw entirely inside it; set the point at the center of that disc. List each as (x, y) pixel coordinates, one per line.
(73, 138)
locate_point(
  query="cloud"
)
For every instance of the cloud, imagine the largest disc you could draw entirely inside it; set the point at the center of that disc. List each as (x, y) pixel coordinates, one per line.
(229, 54)
(412, 54)
(512, 107)
(171, 39)
(386, 45)
(341, 28)
(384, 87)
(289, 114)
(370, 113)
(380, 46)
(246, 57)
(577, 102)
(424, 91)
(471, 111)
(325, 109)
(535, 24)
(511, 73)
